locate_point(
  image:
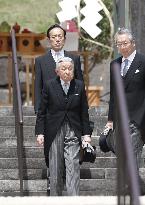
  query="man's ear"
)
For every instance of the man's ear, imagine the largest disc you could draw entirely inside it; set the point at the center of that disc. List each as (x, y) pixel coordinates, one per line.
(56, 70)
(133, 42)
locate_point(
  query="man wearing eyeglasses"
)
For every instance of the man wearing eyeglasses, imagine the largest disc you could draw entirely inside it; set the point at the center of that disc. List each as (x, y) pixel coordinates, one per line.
(45, 65)
(132, 70)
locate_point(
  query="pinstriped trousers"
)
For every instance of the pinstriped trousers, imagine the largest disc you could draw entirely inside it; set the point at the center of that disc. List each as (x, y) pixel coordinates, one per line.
(64, 153)
(137, 142)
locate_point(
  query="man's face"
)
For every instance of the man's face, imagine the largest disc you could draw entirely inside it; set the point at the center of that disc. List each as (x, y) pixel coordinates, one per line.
(124, 45)
(65, 71)
(56, 39)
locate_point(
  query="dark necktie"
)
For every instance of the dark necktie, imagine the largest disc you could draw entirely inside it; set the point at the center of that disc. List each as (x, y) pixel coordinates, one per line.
(125, 69)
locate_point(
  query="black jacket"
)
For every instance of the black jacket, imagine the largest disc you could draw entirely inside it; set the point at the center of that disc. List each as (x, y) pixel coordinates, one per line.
(55, 107)
(134, 86)
(45, 70)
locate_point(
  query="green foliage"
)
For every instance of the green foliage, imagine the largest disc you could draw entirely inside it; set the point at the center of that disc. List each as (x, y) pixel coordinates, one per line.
(38, 15)
(103, 38)
(35, 15)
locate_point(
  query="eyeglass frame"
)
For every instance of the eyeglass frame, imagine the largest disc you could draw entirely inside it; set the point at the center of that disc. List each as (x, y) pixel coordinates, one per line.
(124, 44)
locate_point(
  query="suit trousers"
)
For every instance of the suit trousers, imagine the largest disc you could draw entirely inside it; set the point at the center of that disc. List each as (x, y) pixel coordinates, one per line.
(64, 153)
(137, 142)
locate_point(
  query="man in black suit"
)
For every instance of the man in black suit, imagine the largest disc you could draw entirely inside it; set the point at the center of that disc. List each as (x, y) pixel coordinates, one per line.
(132, 66)
(45, 65)
(62, 120)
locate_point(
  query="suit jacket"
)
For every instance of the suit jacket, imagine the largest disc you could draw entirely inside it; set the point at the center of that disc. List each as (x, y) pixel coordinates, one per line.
(45, 70)
(55, 107)
(134, 86)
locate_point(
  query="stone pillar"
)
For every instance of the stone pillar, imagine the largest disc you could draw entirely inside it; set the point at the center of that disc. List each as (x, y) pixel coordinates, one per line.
(137, 19)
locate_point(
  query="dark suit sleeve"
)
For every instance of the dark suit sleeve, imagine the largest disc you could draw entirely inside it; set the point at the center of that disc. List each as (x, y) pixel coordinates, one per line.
(37, 84)
(111, 102)
(77, 71)
(86, 129)
(41, 115)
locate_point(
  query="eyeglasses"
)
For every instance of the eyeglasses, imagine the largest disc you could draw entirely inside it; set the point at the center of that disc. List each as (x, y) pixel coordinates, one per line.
(124, 44)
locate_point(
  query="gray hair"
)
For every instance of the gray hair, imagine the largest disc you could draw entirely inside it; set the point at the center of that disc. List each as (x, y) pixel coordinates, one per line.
(122, 31)
(64, 59)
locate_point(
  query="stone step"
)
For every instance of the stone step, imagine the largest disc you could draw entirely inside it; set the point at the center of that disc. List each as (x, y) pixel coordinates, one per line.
(8, 148)
(30, 141)
(88, 173)
(98, 115)
(29, 111)
(44, 200)
(37, 152)
(39, 163)
(29, 131)
(29, 121)
(8, 111)
(4, 93)
(96, 186)
(97, 178)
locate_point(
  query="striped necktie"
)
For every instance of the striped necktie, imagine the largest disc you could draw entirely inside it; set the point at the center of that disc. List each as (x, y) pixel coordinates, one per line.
(65, 87)
(125, 69)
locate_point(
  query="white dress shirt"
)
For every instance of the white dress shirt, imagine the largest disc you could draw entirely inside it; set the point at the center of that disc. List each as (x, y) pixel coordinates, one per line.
(57, 55)
(130, 59)
(65, 86)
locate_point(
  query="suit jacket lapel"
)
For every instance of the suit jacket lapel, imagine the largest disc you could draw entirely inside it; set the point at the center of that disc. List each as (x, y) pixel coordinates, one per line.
(58, 91)
(134, 65)
(72, 91)
(49, 61)
(66, 54)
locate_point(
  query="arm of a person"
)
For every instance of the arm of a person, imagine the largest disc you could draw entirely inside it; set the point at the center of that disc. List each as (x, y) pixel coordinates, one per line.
(78, 72)
(87, 131)
(41, 115)
(40, 139)
(109, 125)
(37, 84)
(111, 101)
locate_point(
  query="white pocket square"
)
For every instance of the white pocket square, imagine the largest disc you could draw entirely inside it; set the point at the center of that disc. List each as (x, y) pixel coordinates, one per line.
(137, 71)
(76, 94)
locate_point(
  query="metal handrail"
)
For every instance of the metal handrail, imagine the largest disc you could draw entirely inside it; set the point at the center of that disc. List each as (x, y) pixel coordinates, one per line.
(17, 108)
(126, 167)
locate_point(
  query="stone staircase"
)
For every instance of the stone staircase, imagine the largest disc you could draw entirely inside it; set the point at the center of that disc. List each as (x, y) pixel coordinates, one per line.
(98, 178)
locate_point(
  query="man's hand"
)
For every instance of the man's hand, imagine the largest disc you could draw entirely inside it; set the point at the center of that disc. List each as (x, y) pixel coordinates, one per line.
(86, 139)
(109, 125)
(40, 139)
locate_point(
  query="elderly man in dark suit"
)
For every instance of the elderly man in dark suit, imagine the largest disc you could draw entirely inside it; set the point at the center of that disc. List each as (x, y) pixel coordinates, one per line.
(132, 66)
(62, 120)
(45, 65)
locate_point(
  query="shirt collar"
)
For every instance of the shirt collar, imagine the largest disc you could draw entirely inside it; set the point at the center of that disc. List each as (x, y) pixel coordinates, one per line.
(62, 82)
(131, 57)
(61, 52)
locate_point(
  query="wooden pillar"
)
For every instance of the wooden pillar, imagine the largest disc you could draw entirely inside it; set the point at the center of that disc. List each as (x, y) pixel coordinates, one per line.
(27, 84)
(33, 78)
(86, 70)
